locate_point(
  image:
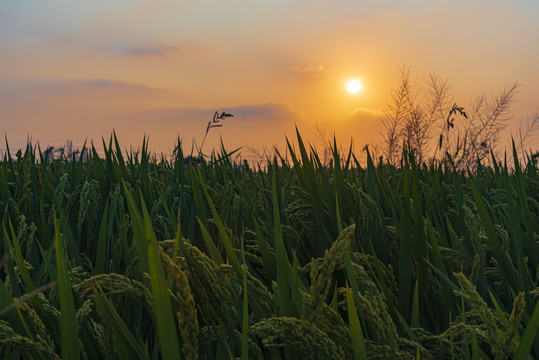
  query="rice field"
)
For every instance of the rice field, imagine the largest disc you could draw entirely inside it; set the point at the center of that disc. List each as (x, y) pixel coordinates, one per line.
(125, 256)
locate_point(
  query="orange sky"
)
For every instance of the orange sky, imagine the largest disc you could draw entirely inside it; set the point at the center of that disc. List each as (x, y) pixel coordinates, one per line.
(76, 71)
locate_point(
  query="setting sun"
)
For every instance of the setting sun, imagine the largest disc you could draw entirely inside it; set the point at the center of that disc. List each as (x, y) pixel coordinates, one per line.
(353, 86)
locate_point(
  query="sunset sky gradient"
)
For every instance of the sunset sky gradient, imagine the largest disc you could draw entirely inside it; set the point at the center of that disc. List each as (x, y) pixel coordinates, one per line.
(77, 70)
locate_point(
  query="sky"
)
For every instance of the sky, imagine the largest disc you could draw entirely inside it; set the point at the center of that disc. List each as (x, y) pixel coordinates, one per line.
(77, 70)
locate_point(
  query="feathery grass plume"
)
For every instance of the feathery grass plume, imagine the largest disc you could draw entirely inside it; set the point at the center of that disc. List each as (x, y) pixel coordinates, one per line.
(51, 312)
(466, 327)
(459, 334)
(208, 282)
(300, 211)
(498, 340)
(321, 279)
(456, 258)
(513, 324)
(253, 257)
(470, 293)
(331, 323)
(437, 345)
(89, 212)
(103, 333)
(214, 123)
(365, 212)
(97, 331)
(11, 340)
(36, 326)
(262, 294)
(254, 349)
(413, 348)
(27, 297)
(118, 285)
(366, 267)
(301, 335)
(27, 235)
(384, 352)
(376, 314)
(478, 263)
(77, 274)
(187, 316)
(84, 312)
(377, 269)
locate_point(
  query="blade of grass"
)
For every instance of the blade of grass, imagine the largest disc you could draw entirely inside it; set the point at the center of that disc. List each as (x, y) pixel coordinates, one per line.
(120, 329)
(139, 237)
(415, 306)
(166, 324)
(358, 341)
(245, 315)
(210, 245)
(101, 253)
(264, 251)
(529, 337)
(231, 253)
(69, 327)
(28, 283)
(494, 242)
(405, 246)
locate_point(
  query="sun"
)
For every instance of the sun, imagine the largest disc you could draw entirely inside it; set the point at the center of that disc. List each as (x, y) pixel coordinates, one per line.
(353, 86)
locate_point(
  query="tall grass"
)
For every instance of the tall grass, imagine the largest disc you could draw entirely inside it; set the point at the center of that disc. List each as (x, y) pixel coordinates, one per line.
(123, 256)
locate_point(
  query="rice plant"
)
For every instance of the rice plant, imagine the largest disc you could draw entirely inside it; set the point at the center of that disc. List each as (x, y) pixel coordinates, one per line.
(126, 256)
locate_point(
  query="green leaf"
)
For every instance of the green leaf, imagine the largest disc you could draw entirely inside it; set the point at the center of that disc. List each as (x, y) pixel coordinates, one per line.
(69, 327)
(165, 319)
(231, 253)
(358, 341)
(121, 331)
(245, 316)
(415, 306)
(494, 242)
(101, 253)
(210, 245)
(529, 337)
(405, 247)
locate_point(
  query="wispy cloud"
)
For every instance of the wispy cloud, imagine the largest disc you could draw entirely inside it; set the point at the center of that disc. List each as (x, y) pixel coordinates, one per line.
(362, 114)
(308, 70)
(155, 50)
(260, 115)
(269, 111)
(251, 125)
(102, 83)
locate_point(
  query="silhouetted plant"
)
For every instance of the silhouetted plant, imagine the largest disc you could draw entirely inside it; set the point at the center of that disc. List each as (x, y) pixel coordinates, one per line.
(480, 134)
(213, 124)
(465, 138)
(528, 133)
(409, 121)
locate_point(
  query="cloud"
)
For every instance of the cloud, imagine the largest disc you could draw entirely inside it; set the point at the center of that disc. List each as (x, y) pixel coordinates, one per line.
(364, 125)
(88, 109)
(269, 111)
(364, 114)
(260, 113)
(102, 83)
(307, 70)
(70, 88)
(155, 50)
(73, 108)
(251, 124)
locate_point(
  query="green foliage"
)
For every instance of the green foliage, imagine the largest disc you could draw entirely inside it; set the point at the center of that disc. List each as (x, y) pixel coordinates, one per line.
(122, 256)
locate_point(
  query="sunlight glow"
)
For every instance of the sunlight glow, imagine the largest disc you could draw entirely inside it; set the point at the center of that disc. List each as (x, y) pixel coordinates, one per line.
(353, 86)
